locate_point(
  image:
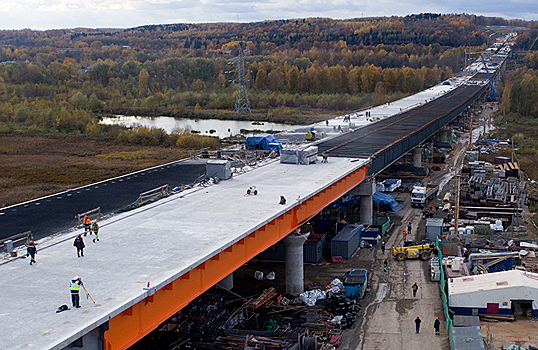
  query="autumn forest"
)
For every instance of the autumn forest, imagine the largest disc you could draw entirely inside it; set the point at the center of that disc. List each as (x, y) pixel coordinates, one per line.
(64, 81)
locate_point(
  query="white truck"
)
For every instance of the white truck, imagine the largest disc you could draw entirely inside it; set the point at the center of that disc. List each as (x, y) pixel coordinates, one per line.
(421, 194)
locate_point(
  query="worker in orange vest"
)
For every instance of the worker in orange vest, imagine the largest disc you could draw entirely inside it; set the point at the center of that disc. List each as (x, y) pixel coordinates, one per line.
(404, 234)
(87, 225)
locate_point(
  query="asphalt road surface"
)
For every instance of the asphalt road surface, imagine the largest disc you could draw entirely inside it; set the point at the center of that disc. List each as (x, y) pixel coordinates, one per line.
(51, 214)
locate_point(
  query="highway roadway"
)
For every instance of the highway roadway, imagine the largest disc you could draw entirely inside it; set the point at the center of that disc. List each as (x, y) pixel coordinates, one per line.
(48, 215)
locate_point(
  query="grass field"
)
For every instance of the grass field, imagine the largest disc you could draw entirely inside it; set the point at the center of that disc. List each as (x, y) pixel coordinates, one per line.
(35, 166)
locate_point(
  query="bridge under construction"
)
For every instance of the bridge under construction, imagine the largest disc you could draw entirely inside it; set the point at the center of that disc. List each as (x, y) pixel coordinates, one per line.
(152, 261)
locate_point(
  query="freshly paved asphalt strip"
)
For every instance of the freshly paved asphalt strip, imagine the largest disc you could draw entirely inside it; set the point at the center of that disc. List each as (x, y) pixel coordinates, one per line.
(51, 214)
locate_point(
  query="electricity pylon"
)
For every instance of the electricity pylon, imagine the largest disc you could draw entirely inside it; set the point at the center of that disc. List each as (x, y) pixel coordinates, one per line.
(241, 100)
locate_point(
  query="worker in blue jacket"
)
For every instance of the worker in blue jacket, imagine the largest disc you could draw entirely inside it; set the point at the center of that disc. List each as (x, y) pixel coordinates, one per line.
(75, 286)
(79, 244)
(31, 251)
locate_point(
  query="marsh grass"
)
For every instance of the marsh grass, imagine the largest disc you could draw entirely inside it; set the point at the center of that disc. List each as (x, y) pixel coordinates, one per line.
(36, 166)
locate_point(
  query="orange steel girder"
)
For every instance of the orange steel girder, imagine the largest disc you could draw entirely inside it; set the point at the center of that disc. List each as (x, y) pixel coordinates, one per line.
(134, 323)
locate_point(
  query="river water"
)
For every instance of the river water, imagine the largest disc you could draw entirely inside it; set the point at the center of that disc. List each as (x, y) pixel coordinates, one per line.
(209, 127)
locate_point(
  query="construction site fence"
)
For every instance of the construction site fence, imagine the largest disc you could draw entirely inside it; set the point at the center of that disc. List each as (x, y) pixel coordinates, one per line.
(91, 214)
(153, 195)
(17, 240)
(442, 285)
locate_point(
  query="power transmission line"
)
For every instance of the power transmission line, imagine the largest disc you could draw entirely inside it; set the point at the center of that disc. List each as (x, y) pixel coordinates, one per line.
(241, 100)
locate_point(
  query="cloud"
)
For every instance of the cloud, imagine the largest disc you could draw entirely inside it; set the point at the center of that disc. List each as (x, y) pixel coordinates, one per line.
(37, 14)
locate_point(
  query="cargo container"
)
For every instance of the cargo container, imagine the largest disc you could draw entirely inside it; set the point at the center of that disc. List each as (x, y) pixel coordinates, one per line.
(276, 252)
(346, 242)
(312, 251)
(434, 229)
(370, 235)
(382, 222)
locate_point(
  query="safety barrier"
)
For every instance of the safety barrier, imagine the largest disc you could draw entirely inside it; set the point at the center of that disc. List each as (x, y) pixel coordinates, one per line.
(152, 195)
(16, 240)
(91, 214)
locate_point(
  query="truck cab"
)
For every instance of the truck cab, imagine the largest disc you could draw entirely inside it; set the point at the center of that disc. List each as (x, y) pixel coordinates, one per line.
(418, 196)
(421, 194)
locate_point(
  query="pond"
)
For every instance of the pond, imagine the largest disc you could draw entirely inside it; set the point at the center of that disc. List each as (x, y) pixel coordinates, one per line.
(208, 127)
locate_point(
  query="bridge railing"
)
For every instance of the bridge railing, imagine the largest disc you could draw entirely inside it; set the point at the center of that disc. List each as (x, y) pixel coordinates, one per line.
(9, 243)
(151, 195)
(91, 214)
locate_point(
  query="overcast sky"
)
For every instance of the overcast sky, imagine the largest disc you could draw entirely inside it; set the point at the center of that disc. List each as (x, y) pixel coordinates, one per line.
(52, 14)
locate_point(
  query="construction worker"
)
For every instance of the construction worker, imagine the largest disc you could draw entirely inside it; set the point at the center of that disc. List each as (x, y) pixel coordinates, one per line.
(417, 324)
(415, 288)
(409, 227)
(404, 234)
(79, 243)
(385, 264)
(95, 229)
(282, 200)
(31, 251)
(87, 225)
(383, 247)
(75, 285)
(436, 325)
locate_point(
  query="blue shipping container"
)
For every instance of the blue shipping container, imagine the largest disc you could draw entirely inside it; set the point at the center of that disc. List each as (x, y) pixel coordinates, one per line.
(275, 252)
(312, 251)
(370, 232)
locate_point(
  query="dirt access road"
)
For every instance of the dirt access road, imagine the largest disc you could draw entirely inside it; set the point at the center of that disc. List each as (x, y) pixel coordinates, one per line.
(389, 318)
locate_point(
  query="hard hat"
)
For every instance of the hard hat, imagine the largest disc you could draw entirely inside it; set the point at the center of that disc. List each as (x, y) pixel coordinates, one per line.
(85, 216)
(437, 318)
(76, 278)
(79, 235)
(31, 242)
(417, 317)
(94, 221)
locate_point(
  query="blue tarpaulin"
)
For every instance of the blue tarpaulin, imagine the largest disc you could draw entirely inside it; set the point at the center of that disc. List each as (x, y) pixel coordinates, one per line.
(263, 141)
(380, 199)
(348, 202)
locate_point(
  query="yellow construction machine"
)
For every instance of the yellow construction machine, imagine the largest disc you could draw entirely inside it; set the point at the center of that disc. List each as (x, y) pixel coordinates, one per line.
(412, 250)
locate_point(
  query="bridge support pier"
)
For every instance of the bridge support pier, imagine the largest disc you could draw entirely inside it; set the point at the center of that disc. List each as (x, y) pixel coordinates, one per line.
(417, 157)
(365, 190)
(294, 262)
(444, 135)
(227, 282)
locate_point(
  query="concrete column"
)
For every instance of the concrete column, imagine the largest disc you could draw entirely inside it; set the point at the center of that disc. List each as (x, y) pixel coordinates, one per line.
(367, 209)
(417, 157)
(365, 190)
(227, 282)
(294, 262)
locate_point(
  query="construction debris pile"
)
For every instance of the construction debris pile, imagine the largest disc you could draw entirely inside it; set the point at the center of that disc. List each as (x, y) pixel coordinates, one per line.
(268, 320)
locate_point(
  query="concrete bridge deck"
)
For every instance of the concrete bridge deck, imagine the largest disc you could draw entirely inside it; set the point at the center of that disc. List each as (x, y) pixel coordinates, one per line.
(158, 244)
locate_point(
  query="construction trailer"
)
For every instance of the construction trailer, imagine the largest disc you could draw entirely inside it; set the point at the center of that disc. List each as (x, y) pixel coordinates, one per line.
(347, 241)
(506, 292)
(434, 229)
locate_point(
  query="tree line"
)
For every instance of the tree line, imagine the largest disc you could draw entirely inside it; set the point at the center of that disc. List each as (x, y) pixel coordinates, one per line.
(65, 80)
